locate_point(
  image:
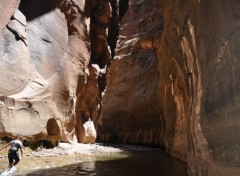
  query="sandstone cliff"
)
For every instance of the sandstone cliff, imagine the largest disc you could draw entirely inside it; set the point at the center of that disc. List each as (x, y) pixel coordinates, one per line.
(54, 59)
(174, 82)
(167, 77)
(42, 61)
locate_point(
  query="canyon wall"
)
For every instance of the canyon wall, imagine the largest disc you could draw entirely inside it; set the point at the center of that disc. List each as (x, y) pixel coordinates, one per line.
(166, 76)
(44, 55)
(54, 59)
(199, 42)
(174, 83)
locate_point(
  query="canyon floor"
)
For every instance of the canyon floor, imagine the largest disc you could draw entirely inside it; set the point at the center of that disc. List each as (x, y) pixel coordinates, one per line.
(84, 149)
(96, 159)
(78, 148)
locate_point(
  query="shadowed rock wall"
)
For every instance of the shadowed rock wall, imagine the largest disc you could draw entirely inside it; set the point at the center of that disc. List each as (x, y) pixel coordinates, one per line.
(200, 40)
(131, 107)
(190, 49)
(173, 83)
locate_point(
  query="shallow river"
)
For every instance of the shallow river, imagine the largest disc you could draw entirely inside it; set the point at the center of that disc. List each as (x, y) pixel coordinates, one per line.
(134, 163)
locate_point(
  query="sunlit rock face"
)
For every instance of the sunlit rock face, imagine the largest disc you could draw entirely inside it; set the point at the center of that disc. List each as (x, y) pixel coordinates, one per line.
(174, 82)
(44, 48)
(54, 56)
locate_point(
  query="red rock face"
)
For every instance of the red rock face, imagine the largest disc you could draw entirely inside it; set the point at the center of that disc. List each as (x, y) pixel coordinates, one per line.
(130, 106)
(199, 39)
(192, 109)
(173, 81)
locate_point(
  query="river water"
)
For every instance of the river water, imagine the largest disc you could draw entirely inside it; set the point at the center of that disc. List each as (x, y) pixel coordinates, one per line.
(130, 163)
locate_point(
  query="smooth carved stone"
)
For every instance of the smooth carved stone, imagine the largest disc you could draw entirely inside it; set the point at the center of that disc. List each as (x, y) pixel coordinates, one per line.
(17, 28)
(38, 82)
(20, 17)
(15, 67)
(88, 134)
(7, 8)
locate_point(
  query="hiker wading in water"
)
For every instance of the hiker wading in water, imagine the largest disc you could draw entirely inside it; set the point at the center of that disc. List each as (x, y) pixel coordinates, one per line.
(13, 154)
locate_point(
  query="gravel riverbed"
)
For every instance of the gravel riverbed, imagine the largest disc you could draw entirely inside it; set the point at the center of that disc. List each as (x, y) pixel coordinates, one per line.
(85, 149)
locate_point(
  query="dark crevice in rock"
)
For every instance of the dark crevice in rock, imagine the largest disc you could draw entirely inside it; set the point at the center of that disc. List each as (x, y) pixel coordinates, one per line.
(113, 29)
(89, 5)
(123, 7)
(100, 19)
(104, 32)
(105, 16)
(41, 144)
(34, 8)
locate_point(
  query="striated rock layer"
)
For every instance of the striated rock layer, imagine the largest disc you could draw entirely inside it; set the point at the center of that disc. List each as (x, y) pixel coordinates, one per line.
(174, 82)
(131, 111)
(54, 55)
(44, 53)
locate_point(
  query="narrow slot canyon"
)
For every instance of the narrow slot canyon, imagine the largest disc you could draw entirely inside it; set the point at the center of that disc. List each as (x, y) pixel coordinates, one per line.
(147, 73)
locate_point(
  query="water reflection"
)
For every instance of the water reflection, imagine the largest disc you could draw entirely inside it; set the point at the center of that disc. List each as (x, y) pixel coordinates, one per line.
(138, 163)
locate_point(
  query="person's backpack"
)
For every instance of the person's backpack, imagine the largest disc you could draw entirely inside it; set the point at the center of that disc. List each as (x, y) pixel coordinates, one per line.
(14, 148)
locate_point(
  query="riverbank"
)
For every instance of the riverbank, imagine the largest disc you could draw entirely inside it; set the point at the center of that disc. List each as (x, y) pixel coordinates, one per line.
(85, 149)
(79, 148)
(96, 159)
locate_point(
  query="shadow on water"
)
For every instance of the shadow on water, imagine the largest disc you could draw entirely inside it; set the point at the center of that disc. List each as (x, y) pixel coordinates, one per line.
(138, 163)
